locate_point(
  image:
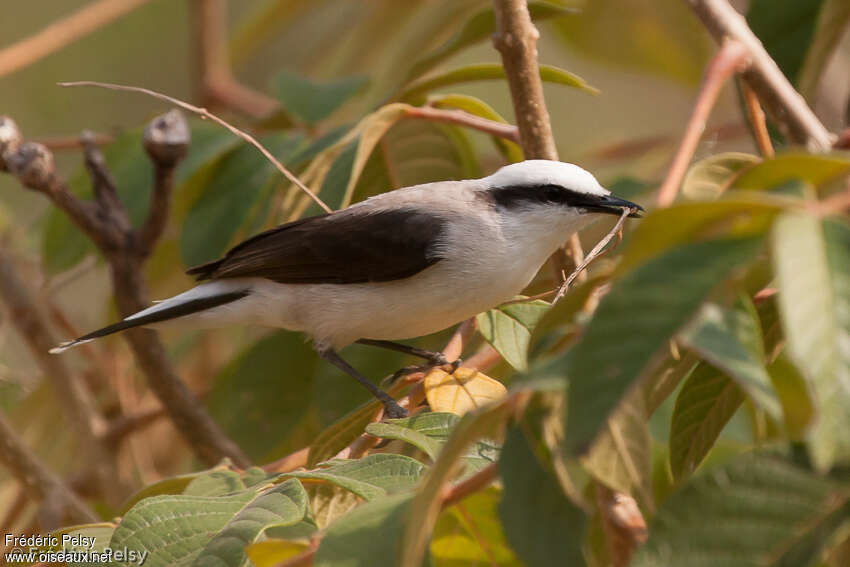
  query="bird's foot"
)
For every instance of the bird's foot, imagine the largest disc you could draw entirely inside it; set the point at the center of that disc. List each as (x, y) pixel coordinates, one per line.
(394, 411)
(440, 361)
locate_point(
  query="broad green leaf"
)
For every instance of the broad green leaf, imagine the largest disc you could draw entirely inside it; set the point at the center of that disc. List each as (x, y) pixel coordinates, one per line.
(215, 483)
(174, 529)
(785, 27)
(310, 102)
(99, 534)
(661, 37)
(796, 400)
(832, 22)
(730, 338)
(367, 536)
(171, 485)
(393, 431)
(709, 178)
(621, 457)
(281, 505)
(541, 524)
(478, 107)
(733, 215)
(756, 511)
(489, 72)
(478, 28)
(508, 328)
(372, 476)
(272, 552)
(807, 168)
(704, 406)
(812, 265)
(426, 431)
(240, 179)
(265, 394)
(469, 534)
(656, 299)
(425, 506)
(329, 502)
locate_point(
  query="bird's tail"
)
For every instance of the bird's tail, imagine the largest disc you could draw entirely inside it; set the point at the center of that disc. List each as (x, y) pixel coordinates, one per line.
(192, 301)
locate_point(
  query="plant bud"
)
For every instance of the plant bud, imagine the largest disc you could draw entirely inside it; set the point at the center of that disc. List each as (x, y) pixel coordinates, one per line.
(166, 137)
(10, 139)
(32, 163)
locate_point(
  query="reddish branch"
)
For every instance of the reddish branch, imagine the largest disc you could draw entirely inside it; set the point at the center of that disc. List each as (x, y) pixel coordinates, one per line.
(782, 102)
(500, 129)
(106, 222)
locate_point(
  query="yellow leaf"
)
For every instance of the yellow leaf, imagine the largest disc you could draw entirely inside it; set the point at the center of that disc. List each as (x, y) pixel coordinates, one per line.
(271, 552)
(463, 391)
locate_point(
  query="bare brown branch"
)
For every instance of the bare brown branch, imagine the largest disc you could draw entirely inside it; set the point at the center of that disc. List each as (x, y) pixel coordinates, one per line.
(62, 32)
(756, 120)
(782, 102)
(37, 479)
(730, 59)
(204, 113)
(461, 118)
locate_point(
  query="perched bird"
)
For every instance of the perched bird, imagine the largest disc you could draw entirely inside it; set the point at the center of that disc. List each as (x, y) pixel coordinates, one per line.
(399, 265)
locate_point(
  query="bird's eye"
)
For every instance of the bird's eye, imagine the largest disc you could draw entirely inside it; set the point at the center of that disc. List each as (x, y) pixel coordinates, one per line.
(552, 192)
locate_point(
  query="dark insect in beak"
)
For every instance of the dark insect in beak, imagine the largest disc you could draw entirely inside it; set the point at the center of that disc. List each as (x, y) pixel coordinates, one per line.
(611, 205)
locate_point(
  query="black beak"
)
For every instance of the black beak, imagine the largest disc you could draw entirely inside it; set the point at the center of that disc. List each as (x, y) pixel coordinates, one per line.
(609, 204)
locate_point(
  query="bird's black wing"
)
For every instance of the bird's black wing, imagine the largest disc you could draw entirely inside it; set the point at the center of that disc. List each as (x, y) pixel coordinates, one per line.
(343, 247)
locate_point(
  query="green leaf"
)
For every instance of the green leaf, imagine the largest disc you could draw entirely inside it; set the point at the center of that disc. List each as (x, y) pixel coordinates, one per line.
(370, 477)
(478, 28)
(785, 27)
(218, 482)
(469, 534)
(367, 536)
(310, 102)
(174, 529)
(709, 178)
(756, 511)
(426, 431)
(393, 431)
(265, 394)
(832, 21)
(345, 430)
(730, 338)
(281, 505)
(783, 169)
(508, 328)
(541, 524)
(489, 72)
(655, 299)
(812, 266)
(706, 403)
(621, 457)
(239, 180)
(171, 485)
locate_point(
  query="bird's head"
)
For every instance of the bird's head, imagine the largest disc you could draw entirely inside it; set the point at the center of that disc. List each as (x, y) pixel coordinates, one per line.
(543, 185)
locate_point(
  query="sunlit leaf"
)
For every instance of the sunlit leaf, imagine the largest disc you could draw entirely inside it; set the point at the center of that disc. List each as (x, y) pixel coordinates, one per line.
(508, 328)
(489, 72)
(656, 299)
(281, 505)
(541, 524)
(812, 264)
(710, 177)
(754, 511)
(372, 476)
(462, 391)
(271, 552)
(807, 168)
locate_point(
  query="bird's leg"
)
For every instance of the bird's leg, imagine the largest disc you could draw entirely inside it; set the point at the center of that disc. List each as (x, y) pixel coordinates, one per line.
(391, 408)
(434, 358)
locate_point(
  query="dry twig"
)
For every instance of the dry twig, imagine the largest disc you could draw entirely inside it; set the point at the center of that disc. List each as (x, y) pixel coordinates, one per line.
(500, 129)
(756, 120)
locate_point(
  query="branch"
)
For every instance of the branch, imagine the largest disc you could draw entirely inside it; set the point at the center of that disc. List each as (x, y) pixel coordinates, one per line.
(204, 113)
(782, 102)
(103, 185)
(516, 40)
(38, 480)
(60, 33)
(729, 60)
(500, 129)
(209, 18)
(166, 140)
(756, 120)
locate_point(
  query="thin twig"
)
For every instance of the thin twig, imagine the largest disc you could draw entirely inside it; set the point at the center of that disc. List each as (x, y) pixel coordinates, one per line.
(492, 127)
(782, 102)
(756, 119)
(725, 63)
(204, 113)
(58, 143)
(62, 32)
(471, 484)
(597, 251)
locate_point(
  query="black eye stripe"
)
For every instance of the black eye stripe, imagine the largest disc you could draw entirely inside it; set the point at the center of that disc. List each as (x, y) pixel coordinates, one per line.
(513, 196)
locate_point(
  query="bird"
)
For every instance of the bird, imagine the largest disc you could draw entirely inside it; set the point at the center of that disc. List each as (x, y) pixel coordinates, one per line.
(398, 265)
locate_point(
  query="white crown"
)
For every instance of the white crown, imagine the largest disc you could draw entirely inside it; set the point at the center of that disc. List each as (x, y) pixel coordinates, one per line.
(546, 172)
